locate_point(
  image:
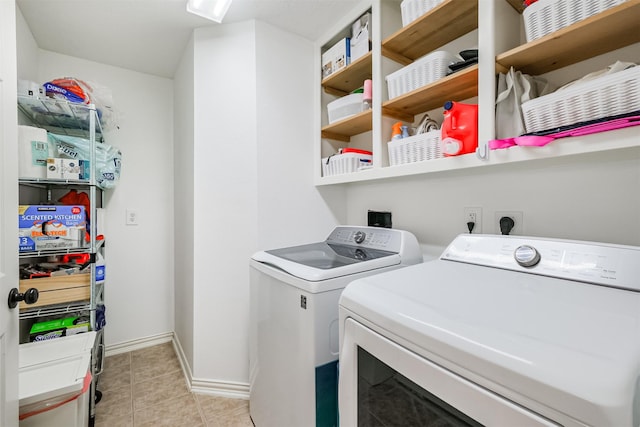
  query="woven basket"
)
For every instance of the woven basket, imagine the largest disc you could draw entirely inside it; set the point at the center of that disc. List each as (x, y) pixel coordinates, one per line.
(417, 148)
(606, 96)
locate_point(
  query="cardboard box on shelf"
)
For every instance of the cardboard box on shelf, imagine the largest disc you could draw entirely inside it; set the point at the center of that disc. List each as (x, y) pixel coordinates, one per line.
(42, 227)
(337, 57)
(67, 169)
(361, 36)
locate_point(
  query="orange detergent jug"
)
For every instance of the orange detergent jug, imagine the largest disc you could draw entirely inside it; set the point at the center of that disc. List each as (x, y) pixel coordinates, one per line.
(459, 128)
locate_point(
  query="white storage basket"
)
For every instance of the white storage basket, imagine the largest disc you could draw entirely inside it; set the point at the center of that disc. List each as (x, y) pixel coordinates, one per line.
(414, 9)
(344, 107)
(417, 148)
(421, 72)
(546, 16)
(345, 163)
(610, 95)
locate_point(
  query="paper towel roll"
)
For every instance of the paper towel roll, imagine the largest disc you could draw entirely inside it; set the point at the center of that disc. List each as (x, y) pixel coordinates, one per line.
(33, 151)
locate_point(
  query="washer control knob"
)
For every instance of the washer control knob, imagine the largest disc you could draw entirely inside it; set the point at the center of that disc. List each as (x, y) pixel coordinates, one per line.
(359, 237)
(526, 256)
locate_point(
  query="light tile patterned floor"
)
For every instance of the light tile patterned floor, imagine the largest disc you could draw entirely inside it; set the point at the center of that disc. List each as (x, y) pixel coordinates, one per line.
(147, 388)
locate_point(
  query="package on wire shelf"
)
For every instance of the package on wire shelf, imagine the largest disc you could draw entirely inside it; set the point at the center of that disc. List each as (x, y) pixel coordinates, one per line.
(42, 227)
(57, 328)
(108, 157)
(33, 152)
(84, 92)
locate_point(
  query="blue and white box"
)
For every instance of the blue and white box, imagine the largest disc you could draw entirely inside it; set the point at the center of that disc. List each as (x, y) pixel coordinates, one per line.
(42, 227)
(337, 57)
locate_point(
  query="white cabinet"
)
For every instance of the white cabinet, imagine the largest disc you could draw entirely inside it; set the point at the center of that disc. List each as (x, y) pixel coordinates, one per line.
(495, 26)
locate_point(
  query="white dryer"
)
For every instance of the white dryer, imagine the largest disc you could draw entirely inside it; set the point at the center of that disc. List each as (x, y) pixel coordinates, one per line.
(500, 331)
(294, 319)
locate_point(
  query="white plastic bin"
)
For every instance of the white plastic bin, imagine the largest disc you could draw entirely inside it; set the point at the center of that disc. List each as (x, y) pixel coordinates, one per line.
(344, 107)
(54, 382)
(547, 16)
(345, 163)
(416, 148)
(414, 9)
(421, 72)
(609, 95)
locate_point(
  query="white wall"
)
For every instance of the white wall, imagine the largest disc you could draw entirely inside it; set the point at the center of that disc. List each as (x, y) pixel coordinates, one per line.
(139, 287)
(287, 197)
(183, 161)
(224, 198)
(252, 183)
(589, 197)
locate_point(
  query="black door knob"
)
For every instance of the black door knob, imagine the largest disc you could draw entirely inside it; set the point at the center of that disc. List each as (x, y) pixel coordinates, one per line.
(28, 297)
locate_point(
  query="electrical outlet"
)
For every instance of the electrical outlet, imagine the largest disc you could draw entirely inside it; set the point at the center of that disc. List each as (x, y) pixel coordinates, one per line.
(473, 215)
(132, 217)
(516, 216)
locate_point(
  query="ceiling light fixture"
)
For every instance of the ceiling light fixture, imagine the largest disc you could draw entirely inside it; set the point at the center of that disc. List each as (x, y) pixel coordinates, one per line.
(210, 9)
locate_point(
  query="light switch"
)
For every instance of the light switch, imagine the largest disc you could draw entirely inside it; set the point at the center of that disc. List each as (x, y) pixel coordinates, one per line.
(132, 217)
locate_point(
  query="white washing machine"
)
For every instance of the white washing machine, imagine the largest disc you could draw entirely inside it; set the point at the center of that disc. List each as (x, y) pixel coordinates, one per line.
(54, 381)
(500, 331)
(294, 319)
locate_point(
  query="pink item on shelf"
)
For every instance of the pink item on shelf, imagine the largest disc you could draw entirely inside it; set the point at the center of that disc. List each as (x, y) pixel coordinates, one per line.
(368, 93)
(539, 140)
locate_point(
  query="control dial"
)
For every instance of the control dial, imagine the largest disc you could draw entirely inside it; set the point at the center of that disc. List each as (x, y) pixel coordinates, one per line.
(526, 256)
(359, 237)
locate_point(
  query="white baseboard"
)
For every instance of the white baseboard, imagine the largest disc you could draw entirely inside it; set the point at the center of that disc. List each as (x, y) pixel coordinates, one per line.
(235, 390)
(137, 344)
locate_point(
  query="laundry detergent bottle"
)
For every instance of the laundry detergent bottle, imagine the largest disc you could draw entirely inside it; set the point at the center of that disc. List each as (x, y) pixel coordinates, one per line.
(459, 128)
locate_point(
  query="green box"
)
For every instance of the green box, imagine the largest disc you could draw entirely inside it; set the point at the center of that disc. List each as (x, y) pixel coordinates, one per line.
(57, 328)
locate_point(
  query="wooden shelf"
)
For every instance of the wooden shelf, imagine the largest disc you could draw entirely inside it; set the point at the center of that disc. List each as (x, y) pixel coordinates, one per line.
(609, 30)
(456, 87)
(349, 78)
(518, 5)
(343, 130)
(432, 30)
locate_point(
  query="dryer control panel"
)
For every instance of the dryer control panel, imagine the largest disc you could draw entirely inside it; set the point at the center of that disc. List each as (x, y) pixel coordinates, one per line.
(600, 263)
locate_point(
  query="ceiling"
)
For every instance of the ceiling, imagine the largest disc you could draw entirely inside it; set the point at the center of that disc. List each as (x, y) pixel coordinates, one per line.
(149, 36)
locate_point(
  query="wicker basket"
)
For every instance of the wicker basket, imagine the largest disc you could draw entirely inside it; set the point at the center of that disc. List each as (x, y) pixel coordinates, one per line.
(414, 9)
(421, 72)
(605, 96)
(547, 16)
(345, 163)
(417, 148)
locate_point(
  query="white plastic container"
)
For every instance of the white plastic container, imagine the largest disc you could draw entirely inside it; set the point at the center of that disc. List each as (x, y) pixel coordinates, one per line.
(547, 16)
(416, 148)
(345, 163)
(609, 95)
(421, 72)
(414, 9)
(53, 381)
(344, 107)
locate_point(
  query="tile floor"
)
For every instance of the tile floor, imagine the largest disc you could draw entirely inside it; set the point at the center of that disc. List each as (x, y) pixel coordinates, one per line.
(147, 388)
